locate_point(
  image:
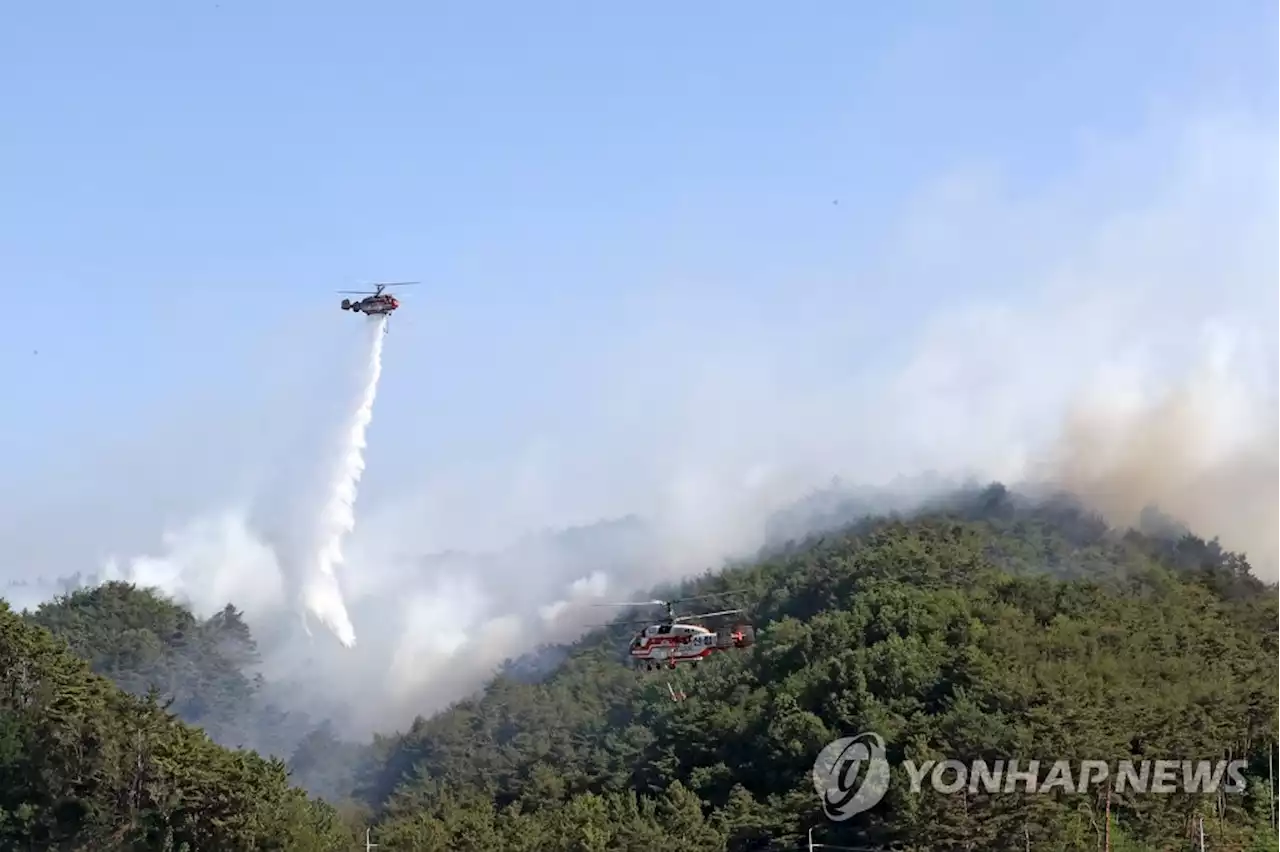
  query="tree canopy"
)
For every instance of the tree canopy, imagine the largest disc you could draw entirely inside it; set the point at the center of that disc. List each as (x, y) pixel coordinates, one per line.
(87, 766)
(987, 626)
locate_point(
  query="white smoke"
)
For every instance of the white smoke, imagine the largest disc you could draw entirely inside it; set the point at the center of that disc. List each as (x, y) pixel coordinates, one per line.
(322, 594)
(208, 563)
(704, 447)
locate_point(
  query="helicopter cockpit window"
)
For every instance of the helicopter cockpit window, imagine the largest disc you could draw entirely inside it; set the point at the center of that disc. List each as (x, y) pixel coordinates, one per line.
(664, 629)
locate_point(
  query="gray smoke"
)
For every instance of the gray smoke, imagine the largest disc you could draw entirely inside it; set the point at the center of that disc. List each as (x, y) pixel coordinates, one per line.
(1114, 335)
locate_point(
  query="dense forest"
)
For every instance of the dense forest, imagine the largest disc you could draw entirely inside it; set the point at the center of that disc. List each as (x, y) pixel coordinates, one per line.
(985, 626)
(87, 766)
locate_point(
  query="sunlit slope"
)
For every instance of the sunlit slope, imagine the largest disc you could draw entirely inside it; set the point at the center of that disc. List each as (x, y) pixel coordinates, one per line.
(982, 628)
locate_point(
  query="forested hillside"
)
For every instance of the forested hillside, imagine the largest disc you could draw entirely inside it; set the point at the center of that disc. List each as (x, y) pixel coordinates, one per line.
(986, 626)
(204, 669)
(138, 640)
(85, 766)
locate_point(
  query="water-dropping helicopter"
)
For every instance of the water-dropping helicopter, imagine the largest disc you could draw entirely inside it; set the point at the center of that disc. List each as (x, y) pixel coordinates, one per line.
(375, 302)
(675, 640)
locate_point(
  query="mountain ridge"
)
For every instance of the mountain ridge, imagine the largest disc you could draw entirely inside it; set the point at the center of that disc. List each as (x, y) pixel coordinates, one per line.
(945, 629)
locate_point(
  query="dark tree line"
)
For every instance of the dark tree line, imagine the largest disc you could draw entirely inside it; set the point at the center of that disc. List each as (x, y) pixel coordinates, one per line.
(86, 766)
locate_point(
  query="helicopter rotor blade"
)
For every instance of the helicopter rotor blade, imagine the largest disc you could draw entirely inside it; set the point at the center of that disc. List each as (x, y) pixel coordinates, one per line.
(633, 603)
(693, 616)
(705, 596)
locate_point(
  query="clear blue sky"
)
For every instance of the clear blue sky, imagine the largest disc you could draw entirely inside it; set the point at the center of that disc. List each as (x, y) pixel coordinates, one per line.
(184, 185)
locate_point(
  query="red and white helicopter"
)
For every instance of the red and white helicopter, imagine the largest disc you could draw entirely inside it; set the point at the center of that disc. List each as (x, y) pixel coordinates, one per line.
(374, 303)
(674, 640)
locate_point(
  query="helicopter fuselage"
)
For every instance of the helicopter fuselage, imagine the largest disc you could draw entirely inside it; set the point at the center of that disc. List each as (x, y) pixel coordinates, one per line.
(372, 305)
(671, 644)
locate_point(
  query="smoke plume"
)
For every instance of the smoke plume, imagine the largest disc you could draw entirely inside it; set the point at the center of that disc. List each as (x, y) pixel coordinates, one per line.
(1203, 451)
(1113, 333)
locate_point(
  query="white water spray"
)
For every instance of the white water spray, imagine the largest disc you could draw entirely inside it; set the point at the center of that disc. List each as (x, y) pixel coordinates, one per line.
(323, 597)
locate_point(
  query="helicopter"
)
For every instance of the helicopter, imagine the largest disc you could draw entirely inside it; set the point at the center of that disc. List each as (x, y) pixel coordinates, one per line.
(674, 640)
(374, 303)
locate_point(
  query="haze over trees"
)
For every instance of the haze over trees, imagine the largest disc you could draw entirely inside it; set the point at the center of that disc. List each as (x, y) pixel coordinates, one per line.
(984, 626)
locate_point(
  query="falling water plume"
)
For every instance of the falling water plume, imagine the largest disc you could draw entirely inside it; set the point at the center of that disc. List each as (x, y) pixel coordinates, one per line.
(323, 596)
